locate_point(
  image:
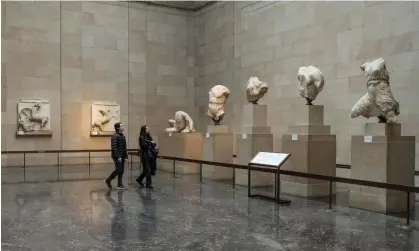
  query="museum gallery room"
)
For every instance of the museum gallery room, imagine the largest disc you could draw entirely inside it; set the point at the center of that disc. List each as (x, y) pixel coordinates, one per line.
(210, 125)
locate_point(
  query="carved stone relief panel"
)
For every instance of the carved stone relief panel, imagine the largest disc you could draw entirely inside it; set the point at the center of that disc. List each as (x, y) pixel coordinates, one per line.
(104, 116)
(34, 117)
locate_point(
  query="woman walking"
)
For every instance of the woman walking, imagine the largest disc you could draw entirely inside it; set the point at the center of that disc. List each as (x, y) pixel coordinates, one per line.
(147, 153)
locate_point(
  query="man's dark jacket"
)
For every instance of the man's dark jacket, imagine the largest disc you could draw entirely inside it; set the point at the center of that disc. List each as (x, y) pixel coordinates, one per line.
(119, 146)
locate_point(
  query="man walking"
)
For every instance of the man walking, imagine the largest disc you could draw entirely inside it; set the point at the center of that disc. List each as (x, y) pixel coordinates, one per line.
(119, 154)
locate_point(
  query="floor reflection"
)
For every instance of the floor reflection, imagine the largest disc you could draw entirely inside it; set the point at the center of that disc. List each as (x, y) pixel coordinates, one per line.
(119, 221)
(147, 221)
(181, 214)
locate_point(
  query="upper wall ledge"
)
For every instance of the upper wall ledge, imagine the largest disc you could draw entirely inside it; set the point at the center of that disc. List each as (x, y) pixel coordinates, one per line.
(180, 5)
(163, 6)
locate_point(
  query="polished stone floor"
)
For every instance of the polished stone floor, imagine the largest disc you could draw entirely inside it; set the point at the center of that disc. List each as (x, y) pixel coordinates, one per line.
(61, 173)
(181, 214)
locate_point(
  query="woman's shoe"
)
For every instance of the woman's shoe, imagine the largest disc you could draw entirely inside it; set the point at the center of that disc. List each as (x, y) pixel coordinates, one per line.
(140, 183)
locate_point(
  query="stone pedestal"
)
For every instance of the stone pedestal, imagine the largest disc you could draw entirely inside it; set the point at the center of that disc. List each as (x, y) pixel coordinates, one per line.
(382, 155)
(256, 138)
(255, 119)
(211, 129)
(217, 146)
(182, 145)
(313, 150)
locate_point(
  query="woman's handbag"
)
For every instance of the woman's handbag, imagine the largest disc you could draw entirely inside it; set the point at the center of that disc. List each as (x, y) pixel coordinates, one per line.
(153, 152)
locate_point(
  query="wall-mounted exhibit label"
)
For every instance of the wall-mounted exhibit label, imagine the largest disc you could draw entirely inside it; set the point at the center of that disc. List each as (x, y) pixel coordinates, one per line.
(244, 136)
(270, 159)
(170, 134)
(294, 137)
(367, 139)
(207, 135)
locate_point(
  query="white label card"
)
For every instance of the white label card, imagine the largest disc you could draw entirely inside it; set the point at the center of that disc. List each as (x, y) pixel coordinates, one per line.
(367, 139)
(244, 136)
(170, 134)
(20, 133)
(207, 135)
(94, 133)
(294, 137)
(269, 158)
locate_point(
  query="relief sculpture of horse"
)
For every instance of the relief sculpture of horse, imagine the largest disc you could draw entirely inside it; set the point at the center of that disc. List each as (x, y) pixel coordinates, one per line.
(101, 122)
(29, 118)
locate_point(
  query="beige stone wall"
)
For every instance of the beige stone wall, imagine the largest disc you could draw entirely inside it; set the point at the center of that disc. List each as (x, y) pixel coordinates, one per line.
(214, 53)
(154, 61)
(74, 53)
(273, 39)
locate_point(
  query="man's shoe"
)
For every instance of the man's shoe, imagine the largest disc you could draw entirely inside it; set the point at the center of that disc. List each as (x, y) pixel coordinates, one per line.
(108, 184)
(150, 187)
(121, 187)
(140, 183)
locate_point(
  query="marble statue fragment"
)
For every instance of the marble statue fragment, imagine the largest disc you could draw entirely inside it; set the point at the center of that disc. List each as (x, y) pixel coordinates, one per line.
(379, 100)
(33, 115)
(310, 82)
(255, 89)
(182, 123)
(217, 97)
(104, 116)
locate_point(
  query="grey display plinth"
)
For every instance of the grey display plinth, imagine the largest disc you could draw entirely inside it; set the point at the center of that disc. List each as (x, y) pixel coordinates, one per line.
(217, 146)
(256, 137)
(314, 151)
(382, 155)
(182, 145)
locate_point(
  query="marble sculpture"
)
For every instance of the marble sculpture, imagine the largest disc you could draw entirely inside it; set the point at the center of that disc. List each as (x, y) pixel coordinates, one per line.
(310, 82)
(104, 116)
(33, 115)
(182, 123)
(217, 97)
(378, 101)
(255, 89)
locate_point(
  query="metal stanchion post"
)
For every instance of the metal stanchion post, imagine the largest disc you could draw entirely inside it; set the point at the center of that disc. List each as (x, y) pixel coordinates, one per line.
(248, 181)
(130, 178)
(408, 208)
(330, 194)
(174, 168)
(278, 185)
(200, 172)
(234, 177)
(58, 165)
(24, 167)
(89, 166)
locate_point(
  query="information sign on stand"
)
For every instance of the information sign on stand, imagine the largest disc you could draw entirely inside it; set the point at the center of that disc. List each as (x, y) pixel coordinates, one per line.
(268, 159)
